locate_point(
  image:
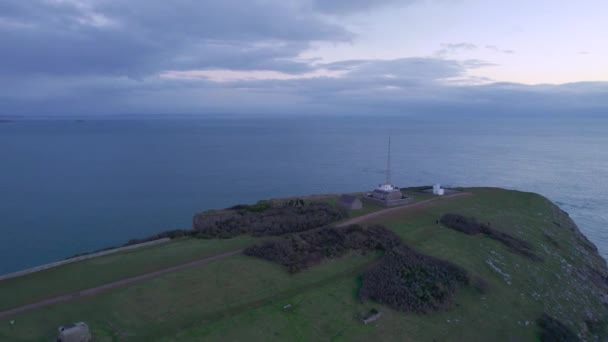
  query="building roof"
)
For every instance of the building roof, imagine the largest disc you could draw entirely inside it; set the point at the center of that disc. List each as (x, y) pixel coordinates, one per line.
(381, 191)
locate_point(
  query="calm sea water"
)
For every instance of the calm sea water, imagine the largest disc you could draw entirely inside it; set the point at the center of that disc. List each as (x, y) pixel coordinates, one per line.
(69, 187)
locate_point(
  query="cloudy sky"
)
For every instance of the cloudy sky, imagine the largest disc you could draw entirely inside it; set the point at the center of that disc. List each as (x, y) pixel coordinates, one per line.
(303, 56)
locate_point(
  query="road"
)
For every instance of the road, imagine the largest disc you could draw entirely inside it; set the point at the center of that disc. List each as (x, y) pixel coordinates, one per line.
(127, 281)
(404, 208)
(106, 287)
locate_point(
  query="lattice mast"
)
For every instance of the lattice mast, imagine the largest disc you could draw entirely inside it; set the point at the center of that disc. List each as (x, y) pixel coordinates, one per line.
(388, 163)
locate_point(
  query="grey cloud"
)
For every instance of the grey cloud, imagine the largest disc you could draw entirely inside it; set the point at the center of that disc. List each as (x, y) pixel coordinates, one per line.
(424, 69)
(345, 7)
(354, 93)
(366, 83)
(452, 48)
(139, 37)
(101, 57)
(497, 49)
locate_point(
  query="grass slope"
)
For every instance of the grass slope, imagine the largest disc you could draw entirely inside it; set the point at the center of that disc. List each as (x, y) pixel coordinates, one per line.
(93, 272)
(242, 298)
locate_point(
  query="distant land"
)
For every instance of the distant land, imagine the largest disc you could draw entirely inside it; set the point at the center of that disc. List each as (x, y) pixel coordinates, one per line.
(478, 264)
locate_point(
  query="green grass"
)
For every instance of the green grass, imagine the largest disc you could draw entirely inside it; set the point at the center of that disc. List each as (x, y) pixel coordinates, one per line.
(89, 273)
(242, 298)
(182, 300)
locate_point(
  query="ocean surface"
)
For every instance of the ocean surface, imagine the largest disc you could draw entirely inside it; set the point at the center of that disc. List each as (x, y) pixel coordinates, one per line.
(69, 186)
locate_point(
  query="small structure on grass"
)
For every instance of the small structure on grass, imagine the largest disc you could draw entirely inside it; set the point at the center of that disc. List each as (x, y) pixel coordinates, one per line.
(350, 202)
(371, 316)
(437, 190)
(76, 332)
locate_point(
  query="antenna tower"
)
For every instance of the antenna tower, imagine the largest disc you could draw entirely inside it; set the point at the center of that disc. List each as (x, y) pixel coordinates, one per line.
(388, 163)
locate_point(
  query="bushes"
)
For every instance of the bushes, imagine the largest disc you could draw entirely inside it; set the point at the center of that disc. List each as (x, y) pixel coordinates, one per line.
(171, 234)
(303, 250)
(403, 279)
(265, 220)
(418, 188)
(462, 224)
(409, 281)
(470, 226)
(554, 330)
(259, 207)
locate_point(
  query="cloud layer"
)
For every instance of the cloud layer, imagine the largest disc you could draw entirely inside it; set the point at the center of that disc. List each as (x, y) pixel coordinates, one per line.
(108, 57)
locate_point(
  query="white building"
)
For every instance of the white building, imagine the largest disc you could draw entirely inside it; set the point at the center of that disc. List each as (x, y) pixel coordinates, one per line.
(437, 190)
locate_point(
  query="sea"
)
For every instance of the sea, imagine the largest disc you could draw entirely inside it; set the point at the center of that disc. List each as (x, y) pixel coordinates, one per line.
(74, 185)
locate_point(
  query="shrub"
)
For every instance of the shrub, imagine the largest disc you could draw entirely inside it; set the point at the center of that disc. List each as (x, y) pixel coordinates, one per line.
(470, 226)
(265, 220)
(302, 250)
(403, 279)
(409, 281)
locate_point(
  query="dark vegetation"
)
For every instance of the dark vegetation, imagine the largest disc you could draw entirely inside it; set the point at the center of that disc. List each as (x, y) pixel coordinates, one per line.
(553, 330)
(261, 219)
(255, 208)
(403, 279)
(597, 327)
(265, 219)
(470, 226)
(409, 281)
(302, 250)
(418, 188)
(171, 234)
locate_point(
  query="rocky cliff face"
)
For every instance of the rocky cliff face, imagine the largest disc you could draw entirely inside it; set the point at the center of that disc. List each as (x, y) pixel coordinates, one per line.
(577, 291)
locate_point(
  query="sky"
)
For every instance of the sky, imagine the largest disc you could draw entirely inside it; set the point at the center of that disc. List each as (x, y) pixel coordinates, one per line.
(408, 57)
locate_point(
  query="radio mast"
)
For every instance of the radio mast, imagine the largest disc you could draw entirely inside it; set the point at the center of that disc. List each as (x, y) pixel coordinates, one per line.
(388, 163)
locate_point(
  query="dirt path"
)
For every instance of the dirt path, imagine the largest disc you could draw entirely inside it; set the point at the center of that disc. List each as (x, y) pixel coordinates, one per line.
(119, 283)
(411, 207)
(106, 287)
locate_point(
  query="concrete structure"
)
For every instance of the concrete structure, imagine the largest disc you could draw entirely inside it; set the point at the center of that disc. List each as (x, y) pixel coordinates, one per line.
(373, 316)
(388, 197)
(387, 194)
(77, 332)
(437, 190)
(349, 202)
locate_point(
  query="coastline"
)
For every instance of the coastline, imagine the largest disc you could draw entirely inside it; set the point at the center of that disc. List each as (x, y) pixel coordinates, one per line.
(80, 258)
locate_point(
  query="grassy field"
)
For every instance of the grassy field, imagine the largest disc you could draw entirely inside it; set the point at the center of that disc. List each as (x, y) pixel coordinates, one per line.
(93, 272)
(242, 298)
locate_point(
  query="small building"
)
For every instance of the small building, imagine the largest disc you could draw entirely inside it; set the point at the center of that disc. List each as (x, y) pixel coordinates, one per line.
(350, 202)
(387, 195)
(76, 332)
(437, 190)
